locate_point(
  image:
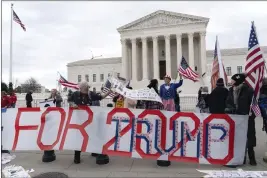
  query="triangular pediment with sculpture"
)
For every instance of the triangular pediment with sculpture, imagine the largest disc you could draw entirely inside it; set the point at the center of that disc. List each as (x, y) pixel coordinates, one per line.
(163, 18)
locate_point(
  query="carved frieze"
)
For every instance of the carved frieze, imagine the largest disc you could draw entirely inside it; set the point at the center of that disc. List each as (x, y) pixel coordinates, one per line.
(163, 20)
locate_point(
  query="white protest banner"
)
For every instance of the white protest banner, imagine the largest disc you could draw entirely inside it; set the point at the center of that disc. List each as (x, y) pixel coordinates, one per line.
(161, 135)
(147, 94)
(233, 173)
(49, 102)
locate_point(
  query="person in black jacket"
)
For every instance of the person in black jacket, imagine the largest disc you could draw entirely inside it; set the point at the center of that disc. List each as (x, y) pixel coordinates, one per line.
(217, 98)
(263, 108)
(82, 98)
(238, 102)
(29, 99)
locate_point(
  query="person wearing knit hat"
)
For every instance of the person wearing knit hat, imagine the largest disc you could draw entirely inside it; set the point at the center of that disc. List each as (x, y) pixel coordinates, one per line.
(238, 102)
(168, 94)
(218, 98)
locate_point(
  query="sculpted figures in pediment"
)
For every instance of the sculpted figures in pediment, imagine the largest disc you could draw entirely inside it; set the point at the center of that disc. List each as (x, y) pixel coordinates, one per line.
(162, 20)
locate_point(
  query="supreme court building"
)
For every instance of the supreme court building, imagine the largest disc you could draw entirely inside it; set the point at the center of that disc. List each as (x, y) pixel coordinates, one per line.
(153, 46)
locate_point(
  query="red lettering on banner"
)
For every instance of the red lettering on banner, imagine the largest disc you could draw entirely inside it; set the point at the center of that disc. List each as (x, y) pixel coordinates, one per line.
(81, 128)
(231, 123)
(24, 127)
(43, 120)
(163, 133)
(105, 149)
(196, 120)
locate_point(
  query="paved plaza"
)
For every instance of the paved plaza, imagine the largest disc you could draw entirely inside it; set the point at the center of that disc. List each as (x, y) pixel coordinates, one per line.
(127, 167)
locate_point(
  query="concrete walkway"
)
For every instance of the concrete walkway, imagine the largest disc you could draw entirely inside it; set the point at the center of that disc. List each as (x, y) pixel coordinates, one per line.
(126, 167)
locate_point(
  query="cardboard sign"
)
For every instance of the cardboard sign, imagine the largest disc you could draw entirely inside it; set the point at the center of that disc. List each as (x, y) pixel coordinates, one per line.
(161, 135)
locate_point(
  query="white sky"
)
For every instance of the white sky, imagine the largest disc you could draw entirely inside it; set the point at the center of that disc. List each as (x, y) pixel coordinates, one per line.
(62, 32)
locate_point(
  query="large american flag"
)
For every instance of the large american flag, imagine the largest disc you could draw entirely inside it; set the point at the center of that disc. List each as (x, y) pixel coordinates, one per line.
(187, 72)
(68, 84)
(107, 88)
(215, 74)
(16, 19)
(254, 68)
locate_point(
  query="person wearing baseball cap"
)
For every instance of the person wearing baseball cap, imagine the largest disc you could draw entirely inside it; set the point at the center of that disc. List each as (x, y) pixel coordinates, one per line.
(168, 94)
(238, 102)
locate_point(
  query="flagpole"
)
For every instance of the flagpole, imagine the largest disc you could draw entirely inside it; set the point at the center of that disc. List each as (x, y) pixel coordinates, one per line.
(11, 31)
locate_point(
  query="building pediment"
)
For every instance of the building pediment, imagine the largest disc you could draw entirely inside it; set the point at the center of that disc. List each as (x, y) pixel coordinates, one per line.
(162, 19)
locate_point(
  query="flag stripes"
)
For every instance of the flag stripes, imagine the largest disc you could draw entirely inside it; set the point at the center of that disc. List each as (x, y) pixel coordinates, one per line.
(16, 19)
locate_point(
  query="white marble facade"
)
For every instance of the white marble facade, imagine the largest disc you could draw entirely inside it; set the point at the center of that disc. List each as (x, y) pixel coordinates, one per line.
(153, 46)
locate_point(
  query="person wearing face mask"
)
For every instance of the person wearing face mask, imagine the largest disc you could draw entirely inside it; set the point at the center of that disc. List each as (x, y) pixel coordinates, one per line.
(168, 94)
(238, 102)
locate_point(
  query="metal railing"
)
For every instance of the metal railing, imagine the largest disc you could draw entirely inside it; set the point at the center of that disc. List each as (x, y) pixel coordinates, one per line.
(187, 102)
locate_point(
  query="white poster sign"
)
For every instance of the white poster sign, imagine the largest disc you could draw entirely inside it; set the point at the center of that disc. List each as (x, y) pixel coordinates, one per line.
(147, 94)
(46, 102)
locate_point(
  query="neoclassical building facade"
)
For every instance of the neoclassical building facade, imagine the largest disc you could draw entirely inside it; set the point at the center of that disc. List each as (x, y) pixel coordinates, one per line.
(152, 47)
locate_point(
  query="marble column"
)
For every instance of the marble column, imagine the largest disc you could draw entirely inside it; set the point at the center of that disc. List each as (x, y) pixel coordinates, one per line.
(155, 57)
(179, 48)
(168, 54)
(203, 59)
(144, 58)
(134, 60)
(191, 50)
(124, 60)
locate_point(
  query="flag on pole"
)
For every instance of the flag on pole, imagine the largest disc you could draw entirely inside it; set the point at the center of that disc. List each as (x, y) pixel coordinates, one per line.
(68, 84)
(16, 19)
(254, 68)
(107, 88)
(187, 72)
(218, 70)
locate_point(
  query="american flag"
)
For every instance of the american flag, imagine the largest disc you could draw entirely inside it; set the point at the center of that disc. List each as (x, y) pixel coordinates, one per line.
(254, 68)
(65, 83)
(187, 72)
(216, 68)
(16, 19)
(107, 88)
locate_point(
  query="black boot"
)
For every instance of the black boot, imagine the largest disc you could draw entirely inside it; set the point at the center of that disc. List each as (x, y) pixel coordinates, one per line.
(94, 154)
(77, 157)
(162, 163)
(49, 156)
(251, 155)
(102, 159)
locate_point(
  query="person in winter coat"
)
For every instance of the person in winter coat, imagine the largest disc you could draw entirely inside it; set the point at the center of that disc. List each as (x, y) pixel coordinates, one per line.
(177, 101)
(5, 103)
(13, 99)
(29, 99)
(217, 98)
(263, 108)
(49, 155)
(57, 98)
(199, 93)
(82, 98)
(238, 102)
(203, 104)
(95, 103)
(5, 100)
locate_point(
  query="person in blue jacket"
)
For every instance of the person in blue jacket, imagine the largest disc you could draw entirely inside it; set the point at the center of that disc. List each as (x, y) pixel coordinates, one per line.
(168, 92)
(168, 95)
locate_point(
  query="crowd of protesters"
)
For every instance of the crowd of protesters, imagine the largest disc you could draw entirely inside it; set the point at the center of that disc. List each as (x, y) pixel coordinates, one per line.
(235, 100)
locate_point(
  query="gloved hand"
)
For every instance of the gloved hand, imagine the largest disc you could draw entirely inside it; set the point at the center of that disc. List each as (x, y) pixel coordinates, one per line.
(54, 101)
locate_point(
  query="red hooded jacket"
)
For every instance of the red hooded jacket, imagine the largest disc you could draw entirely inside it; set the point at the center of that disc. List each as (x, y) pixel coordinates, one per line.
(5, 101)
(13, 99)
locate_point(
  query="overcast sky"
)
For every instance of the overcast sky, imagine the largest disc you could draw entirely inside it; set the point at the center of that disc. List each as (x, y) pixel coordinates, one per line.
(62, 32)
